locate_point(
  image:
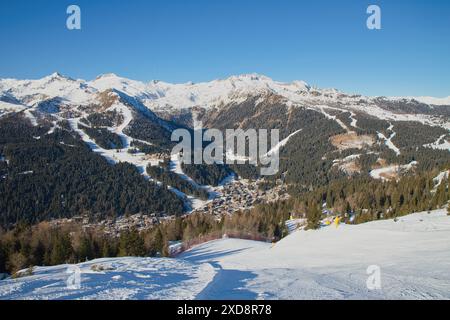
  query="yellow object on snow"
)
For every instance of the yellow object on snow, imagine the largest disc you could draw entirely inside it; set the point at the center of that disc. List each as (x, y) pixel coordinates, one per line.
(337, 221)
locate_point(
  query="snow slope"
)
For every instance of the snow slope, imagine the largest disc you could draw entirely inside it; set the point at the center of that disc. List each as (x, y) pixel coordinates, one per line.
(434, 101)
(392, 171)
(442, 143)
(30, 92)
(6, 107)
(332, 263)
(121, 279)
(388, 141)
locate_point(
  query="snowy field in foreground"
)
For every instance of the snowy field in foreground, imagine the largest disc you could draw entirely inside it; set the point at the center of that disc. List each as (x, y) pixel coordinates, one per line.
(413, 254)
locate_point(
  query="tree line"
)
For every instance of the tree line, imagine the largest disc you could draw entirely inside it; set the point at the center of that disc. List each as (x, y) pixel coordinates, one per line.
(45, 244)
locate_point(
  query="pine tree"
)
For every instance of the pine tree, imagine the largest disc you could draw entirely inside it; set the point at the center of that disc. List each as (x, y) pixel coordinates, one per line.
(131, 244)
(16, 262)
(106, 250)
(165, 250)
(158, 241)
(62, 249)
(85, 250)
(2, 258)
(313, 216)
(38, 254)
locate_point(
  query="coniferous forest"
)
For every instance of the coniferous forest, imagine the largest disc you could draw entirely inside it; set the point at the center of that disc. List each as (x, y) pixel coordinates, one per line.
(29, 245)
(57, 176)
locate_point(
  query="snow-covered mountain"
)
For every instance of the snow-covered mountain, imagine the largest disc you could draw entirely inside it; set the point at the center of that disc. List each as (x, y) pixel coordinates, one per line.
(332, 263)
(240, 97)
(158, 95)
(30, 92)
(433, 100)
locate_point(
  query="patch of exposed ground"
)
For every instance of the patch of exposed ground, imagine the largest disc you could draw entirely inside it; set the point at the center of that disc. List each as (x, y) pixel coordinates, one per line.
(352, 141)
(349, 165)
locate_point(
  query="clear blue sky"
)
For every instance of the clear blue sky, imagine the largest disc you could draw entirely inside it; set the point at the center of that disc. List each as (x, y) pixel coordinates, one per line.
(324, 42)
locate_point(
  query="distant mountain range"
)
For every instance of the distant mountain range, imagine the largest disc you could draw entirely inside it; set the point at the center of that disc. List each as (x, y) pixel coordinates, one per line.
(158, 95)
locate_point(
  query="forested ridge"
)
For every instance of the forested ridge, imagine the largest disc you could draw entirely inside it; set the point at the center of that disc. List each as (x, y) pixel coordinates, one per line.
(56, 175)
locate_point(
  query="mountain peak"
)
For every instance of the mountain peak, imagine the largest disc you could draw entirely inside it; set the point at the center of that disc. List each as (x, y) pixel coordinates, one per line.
(56, 76)
(107, 75)
(250, 77)
(301, 84)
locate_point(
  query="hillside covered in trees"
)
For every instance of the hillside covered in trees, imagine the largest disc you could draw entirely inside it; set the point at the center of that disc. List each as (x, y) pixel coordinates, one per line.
(368, 200)
(56, 175)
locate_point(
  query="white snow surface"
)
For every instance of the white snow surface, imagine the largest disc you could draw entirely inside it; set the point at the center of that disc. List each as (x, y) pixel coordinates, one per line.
(331, 263)
(388, 141)
(279, 145)
(392, 169)
(434, 101)
(54, 85)
(441, 177)
(6, 107)
(442, 143)
(121, 279)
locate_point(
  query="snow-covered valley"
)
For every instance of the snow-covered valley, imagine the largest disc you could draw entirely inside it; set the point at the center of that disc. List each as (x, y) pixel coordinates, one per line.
(331, 263)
